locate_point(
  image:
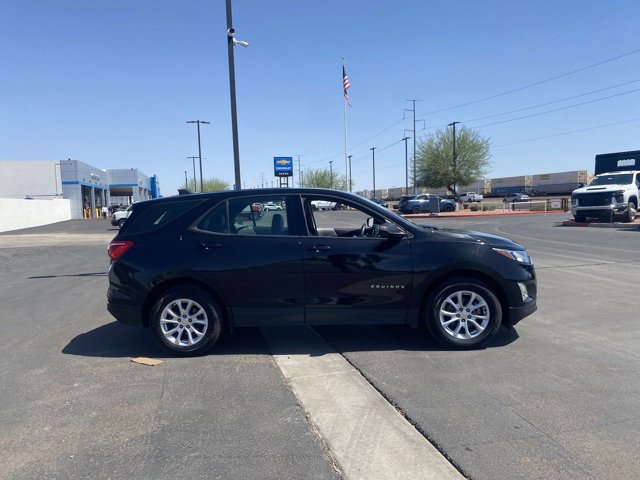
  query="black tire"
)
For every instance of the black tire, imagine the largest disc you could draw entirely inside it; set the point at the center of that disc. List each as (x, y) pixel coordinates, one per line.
(447, 324)
(449, 208)
(416, 209)
(579, 218)
(630, 216)
(121, 222)
(193, 312)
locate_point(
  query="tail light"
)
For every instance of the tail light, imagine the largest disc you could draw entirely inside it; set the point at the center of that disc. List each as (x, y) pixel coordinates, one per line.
(117, 248)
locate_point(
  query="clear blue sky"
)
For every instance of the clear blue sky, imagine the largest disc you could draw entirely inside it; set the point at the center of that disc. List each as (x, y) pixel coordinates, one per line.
(113, 83)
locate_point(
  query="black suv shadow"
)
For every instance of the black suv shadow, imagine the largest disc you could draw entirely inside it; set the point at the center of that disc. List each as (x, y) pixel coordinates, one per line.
(115, 340)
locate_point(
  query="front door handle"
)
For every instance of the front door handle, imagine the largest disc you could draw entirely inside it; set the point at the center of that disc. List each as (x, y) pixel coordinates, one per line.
(319, 248)
(210, 245)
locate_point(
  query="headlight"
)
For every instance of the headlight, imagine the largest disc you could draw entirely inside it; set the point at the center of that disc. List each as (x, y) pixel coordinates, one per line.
(519, 256)
(618, 197)
(574, 201)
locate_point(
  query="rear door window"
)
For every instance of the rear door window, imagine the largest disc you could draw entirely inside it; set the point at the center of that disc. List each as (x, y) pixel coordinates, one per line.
(157, 215)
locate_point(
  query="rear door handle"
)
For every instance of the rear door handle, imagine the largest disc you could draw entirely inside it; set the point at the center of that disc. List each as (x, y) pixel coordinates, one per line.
(210, 245)
(320, 248)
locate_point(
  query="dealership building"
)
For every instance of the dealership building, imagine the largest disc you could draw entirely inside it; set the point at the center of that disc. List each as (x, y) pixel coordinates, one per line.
(87, 188)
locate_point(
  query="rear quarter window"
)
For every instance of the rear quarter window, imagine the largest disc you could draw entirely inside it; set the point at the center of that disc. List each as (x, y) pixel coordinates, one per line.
(157, 215)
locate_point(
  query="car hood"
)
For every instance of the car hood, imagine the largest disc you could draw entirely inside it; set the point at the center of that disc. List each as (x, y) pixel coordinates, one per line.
(469, 236)
(600, 188)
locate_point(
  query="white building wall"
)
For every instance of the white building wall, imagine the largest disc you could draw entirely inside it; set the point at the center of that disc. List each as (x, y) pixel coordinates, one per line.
(19, 213)
(36, 178)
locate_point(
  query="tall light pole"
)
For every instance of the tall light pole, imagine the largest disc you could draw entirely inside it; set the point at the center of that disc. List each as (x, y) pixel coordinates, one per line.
(231, 42)
(414, 139)
(406, 166)
(299, 176)
(349, 159)
(195, 179)
(186, 181)
(373, 152)
(331, 173)
(455, 160)
(198, 122)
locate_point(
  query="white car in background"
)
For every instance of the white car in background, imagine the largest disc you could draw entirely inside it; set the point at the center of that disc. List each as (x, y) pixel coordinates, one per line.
(118, 218)
(323, 205)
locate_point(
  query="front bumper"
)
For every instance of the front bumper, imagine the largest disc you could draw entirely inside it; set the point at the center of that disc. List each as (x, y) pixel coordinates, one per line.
(615, 209)
(518, 313)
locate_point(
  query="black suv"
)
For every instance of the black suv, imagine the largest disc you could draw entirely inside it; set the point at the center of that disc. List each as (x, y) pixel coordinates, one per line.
(193, 266)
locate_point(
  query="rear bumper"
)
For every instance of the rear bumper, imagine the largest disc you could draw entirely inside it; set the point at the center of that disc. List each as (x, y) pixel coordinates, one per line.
(124, 311)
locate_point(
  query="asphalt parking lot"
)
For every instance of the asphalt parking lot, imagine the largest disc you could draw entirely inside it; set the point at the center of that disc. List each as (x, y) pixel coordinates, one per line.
(556, 398)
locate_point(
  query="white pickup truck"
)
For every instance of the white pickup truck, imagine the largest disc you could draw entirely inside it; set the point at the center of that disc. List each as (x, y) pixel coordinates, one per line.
(608, 195)
(118, 218)
(469, 197)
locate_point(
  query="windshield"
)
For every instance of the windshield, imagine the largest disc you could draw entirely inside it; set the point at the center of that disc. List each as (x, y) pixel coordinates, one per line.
(614, 179)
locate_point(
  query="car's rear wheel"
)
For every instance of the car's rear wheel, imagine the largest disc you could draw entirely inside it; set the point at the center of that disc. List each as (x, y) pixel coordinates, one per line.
(187, 320)
(463, 313)
(121, 222)
(415, 209)
(448, 208)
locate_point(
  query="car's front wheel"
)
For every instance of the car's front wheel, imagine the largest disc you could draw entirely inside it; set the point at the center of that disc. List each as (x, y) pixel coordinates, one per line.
(415, 209)
(630, 216)
(463, 313)
(187, 320)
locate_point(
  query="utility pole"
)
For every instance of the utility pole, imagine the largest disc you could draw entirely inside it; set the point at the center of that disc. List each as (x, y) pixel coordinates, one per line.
(406, 166)
(301, 179)
(455, 160)
(198, 122)
(262, 179)
(231, 41)
(331, 173)
(373, 152)
(349, 158)
(195, 185)
(413, 110)
(186, 182)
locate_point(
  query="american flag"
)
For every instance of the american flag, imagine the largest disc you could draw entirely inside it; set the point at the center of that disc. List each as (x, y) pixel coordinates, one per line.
(345, 85)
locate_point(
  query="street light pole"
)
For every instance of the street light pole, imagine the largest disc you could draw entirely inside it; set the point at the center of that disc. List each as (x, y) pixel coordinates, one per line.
(198, 122)
(349, 158)
(455, 160)
(331, 173)
(186, 181)
(195, 179)
(373, 152)
(231, 41)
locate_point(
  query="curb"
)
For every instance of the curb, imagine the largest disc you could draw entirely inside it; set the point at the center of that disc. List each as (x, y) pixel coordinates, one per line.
(623, 226)
(495, 214)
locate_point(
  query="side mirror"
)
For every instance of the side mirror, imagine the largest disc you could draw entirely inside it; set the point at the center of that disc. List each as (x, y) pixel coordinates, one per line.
(390, 230)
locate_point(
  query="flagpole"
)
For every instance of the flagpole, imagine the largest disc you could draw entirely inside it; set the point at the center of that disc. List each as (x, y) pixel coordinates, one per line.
(346, 148)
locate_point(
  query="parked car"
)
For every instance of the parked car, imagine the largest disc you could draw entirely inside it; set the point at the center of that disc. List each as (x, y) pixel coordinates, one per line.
(120, 216)
(426, 203)
(183, 265)
(324, 205)
(516, 197)
(380, 202)
(271, 207)
(470, 197)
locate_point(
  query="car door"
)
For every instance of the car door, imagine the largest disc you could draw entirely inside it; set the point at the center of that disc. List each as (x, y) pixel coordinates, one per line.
(350, 276)
(252, 259)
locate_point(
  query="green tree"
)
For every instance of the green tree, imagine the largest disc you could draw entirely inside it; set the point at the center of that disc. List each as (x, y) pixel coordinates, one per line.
(210, 185)
(434, 159)
(324, 179)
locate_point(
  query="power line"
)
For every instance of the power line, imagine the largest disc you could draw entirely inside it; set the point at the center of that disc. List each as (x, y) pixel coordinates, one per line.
(558, 109)
(540, 82)
(567, 133)
(552, 102)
